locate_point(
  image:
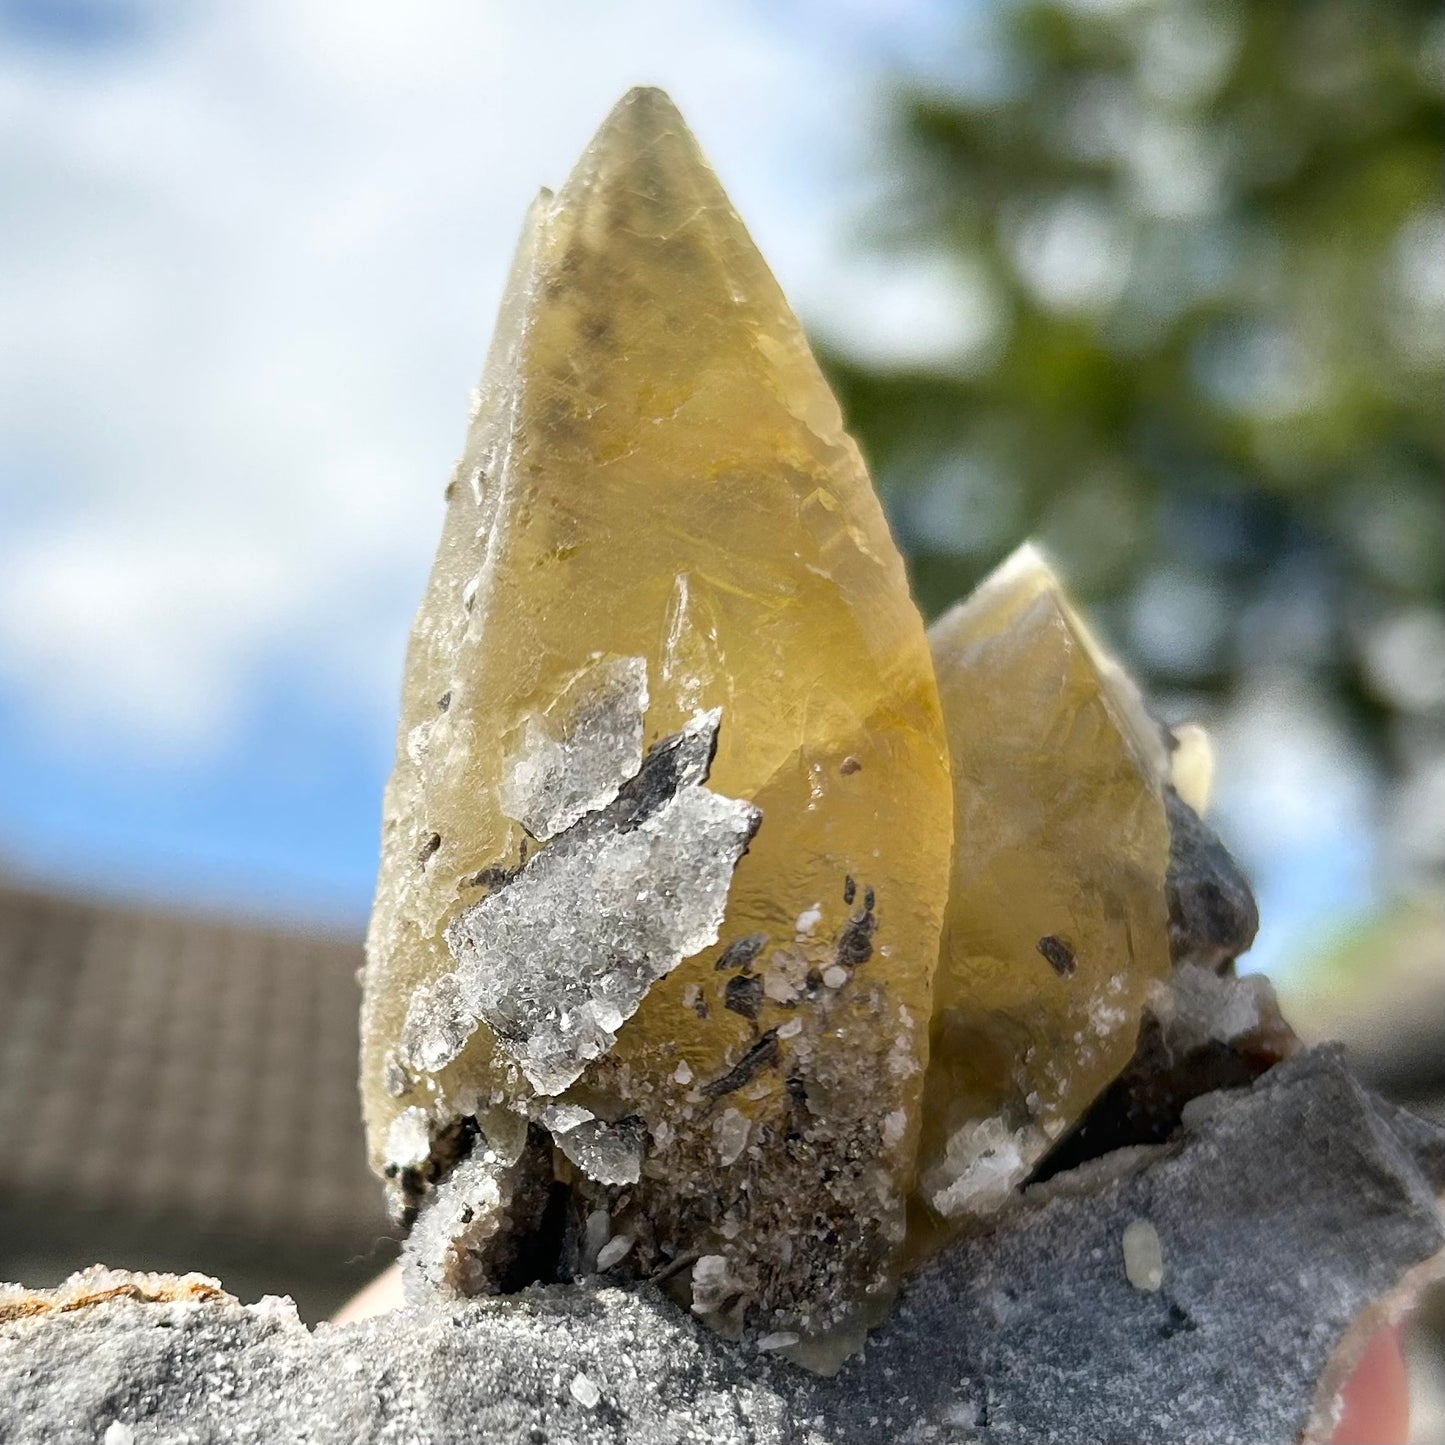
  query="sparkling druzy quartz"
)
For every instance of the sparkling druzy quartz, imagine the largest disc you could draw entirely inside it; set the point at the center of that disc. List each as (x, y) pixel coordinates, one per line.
(666, 847)
(1057, 924)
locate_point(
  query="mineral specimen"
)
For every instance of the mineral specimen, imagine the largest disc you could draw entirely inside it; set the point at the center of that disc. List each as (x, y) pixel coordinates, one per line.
(661, 984)
(1057, 922)
(666, 846)
(655, 971)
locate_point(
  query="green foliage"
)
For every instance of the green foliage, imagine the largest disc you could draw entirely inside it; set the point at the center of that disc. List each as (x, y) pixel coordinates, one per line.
(1209, 238)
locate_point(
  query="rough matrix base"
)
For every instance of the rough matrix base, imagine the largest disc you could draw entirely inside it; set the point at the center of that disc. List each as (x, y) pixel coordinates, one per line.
(1290, 1216)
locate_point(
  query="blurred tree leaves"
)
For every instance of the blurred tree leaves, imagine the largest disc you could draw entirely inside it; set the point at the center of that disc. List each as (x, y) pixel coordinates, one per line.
(1203, 247)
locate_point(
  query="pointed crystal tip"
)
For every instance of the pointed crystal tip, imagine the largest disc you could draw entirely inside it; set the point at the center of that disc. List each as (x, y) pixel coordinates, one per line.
(641, 121)
(643, 169)
(646, 105)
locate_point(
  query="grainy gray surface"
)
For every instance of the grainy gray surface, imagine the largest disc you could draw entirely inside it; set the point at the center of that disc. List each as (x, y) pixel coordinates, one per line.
(1212, 913)
(1283, 1212)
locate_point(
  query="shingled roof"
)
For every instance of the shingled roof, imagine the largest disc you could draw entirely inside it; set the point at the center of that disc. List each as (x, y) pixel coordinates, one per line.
(184, 1089)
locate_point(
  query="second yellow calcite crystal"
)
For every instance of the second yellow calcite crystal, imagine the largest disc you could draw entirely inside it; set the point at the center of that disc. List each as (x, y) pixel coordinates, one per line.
(667, 636)
(1056, 920)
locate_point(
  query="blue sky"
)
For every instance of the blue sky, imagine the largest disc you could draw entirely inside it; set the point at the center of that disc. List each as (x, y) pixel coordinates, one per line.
(249, 255)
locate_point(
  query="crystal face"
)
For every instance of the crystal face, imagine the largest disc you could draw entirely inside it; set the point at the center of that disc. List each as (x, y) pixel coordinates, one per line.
(666, 847)
(1057, 921)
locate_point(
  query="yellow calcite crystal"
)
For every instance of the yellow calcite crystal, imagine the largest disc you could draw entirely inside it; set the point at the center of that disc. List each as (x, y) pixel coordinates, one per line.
(667, 842)
(1056, 920)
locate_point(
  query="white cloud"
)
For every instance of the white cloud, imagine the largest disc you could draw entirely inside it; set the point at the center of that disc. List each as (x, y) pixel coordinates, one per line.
(918, 308)
(248, 277)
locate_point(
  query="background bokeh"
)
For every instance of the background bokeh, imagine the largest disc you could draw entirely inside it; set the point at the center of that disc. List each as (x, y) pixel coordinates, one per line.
(1161, 282)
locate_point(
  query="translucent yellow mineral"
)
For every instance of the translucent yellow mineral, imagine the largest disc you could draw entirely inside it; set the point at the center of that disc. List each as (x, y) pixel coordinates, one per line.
(667, 842)
(1056, 920)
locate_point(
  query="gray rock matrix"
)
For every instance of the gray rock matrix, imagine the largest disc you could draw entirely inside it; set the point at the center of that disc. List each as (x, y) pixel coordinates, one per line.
(1289, 1216)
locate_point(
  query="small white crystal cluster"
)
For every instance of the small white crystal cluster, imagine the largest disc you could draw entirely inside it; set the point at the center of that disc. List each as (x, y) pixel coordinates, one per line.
(556, 959)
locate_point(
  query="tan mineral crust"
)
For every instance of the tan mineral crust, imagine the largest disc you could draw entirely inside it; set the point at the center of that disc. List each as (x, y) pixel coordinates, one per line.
(692, 958)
